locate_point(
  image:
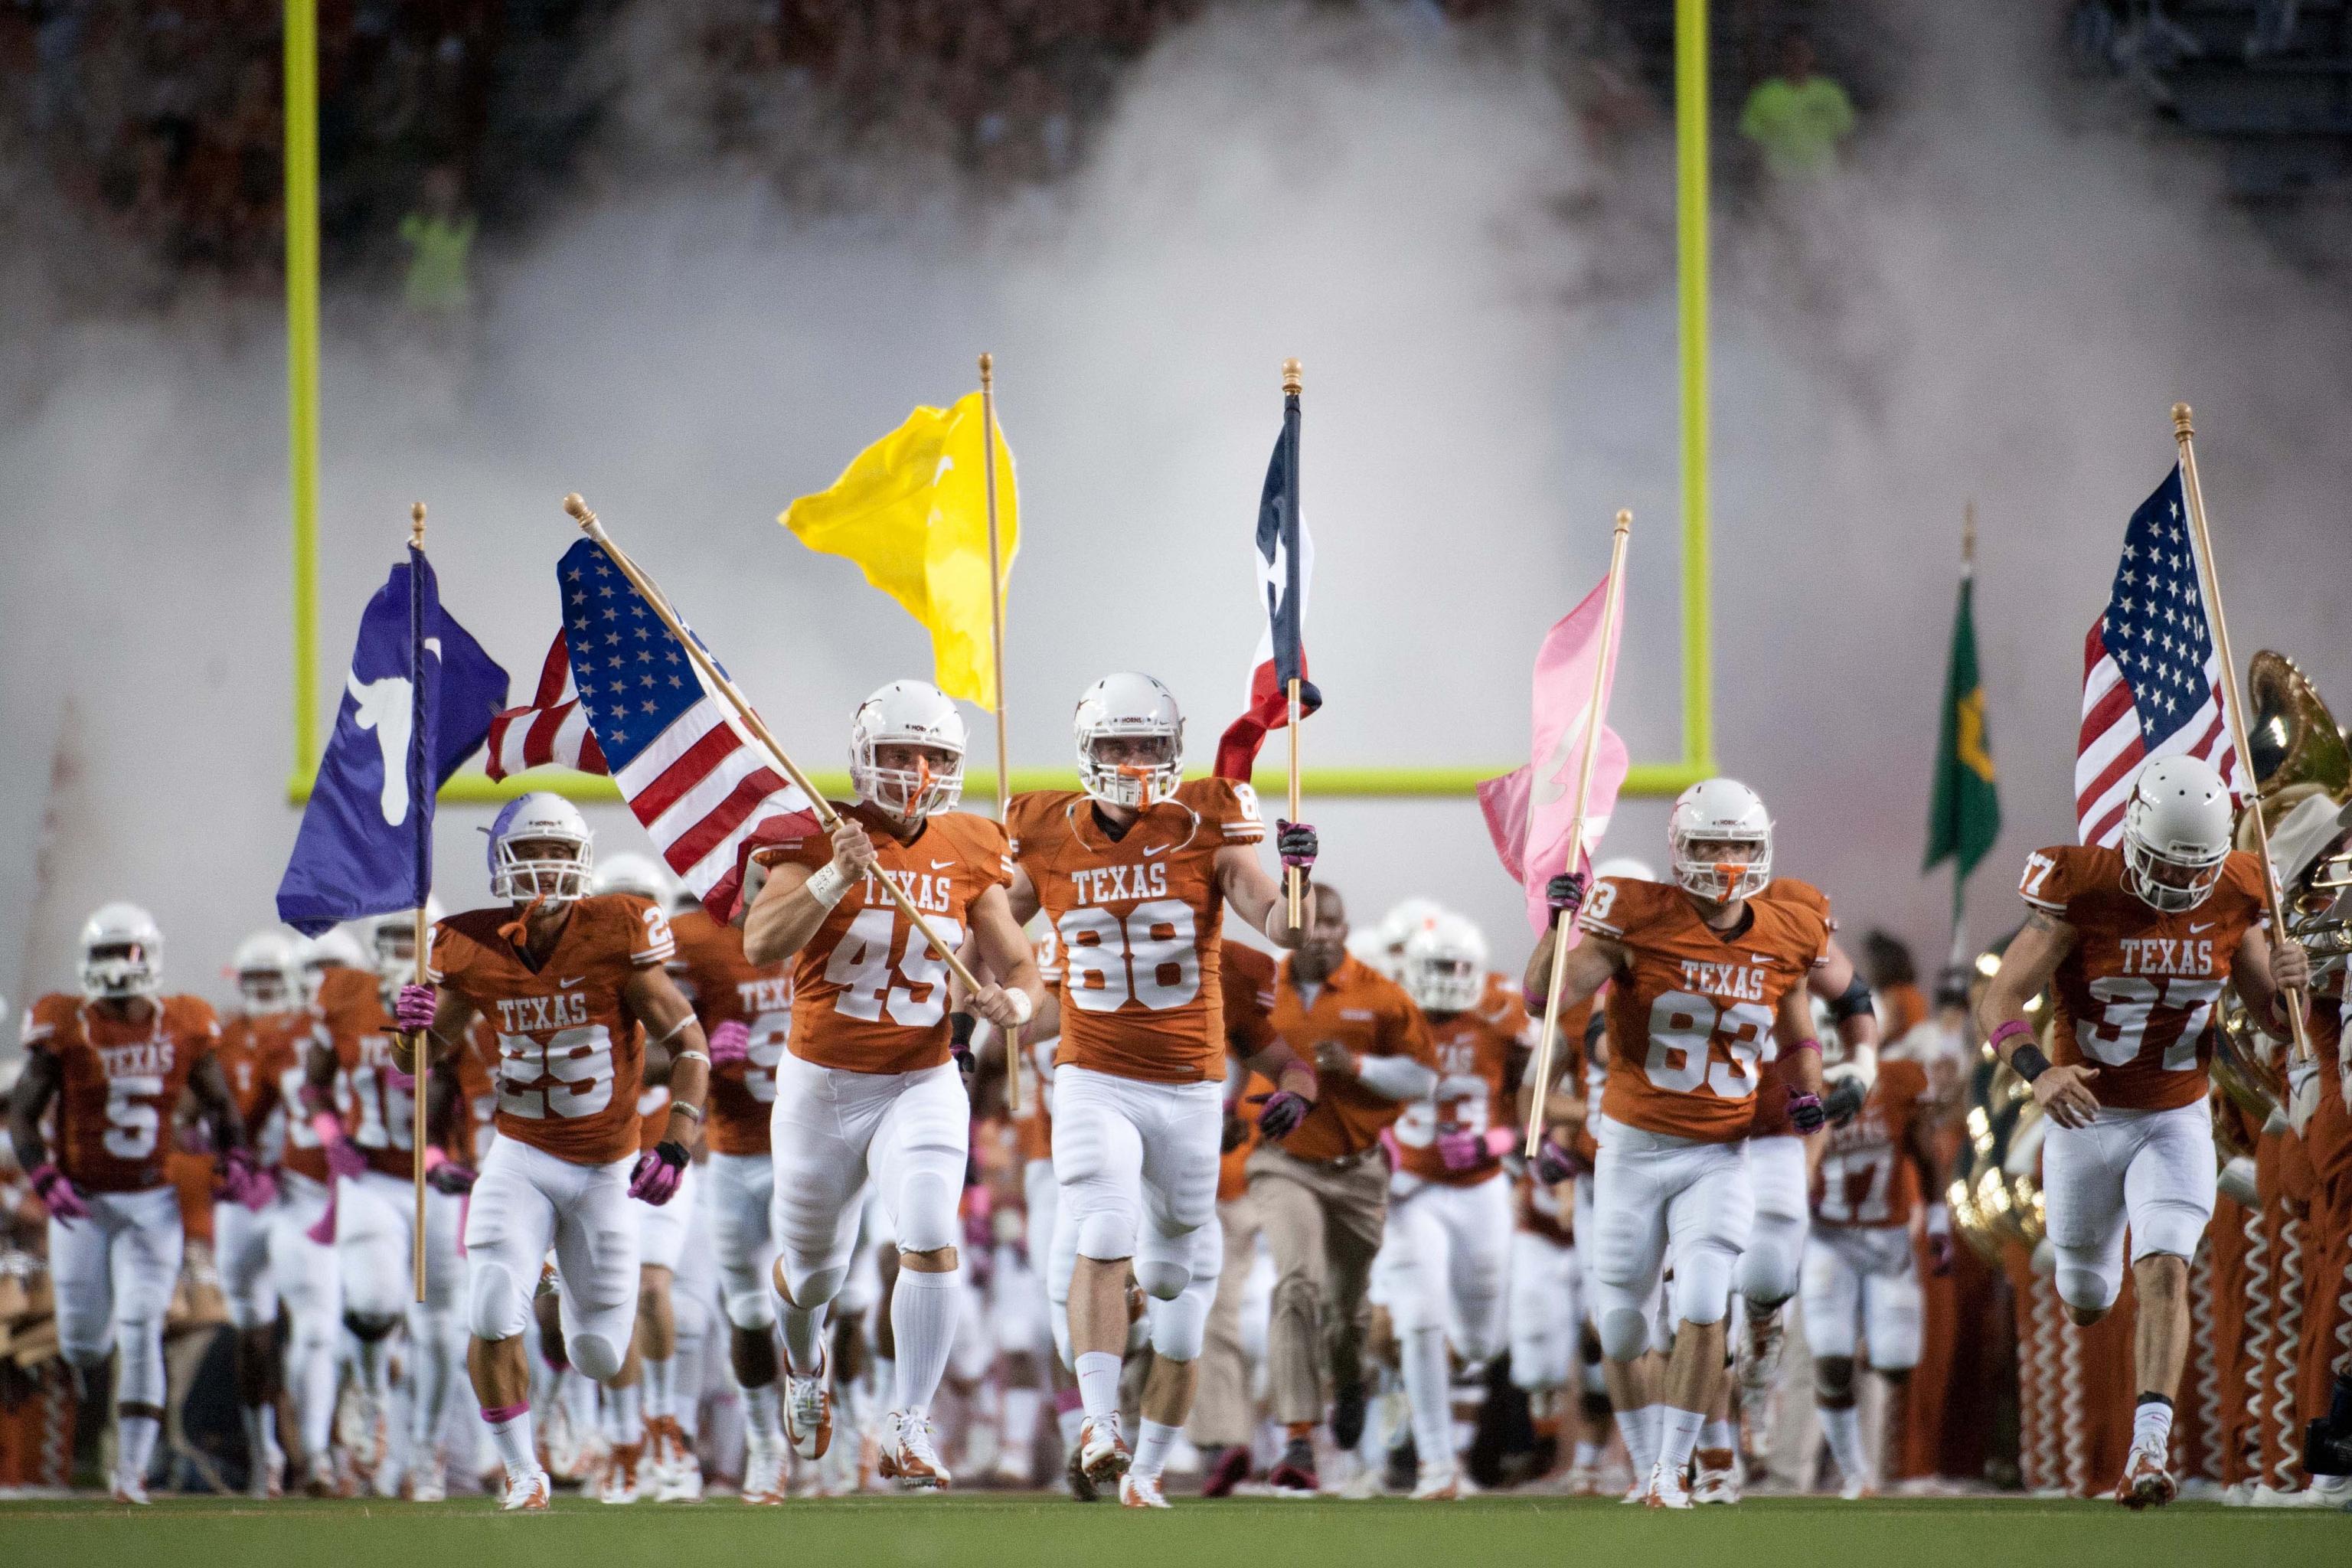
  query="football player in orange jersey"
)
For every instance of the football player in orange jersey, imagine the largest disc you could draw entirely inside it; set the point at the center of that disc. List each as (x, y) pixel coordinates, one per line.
(2139, 942)
(872, 1084)
(1135, 871)
(1700, 977)
(746, 1011)
(314, 1298)
(1860, 1279)
(1448, 1248)
(259, 1253)
(115, 1061)
(576, 984)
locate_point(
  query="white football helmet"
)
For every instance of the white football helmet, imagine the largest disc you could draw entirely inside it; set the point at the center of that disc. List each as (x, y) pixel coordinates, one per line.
(1626, 869)
(1720, 811)
(541, 819)
(908, 713)
(1446, 966)
(2178, 822)
(333, 949)
(122, 953)
(391, 941)
(1137, 708)
(268, 980)
(639, 874)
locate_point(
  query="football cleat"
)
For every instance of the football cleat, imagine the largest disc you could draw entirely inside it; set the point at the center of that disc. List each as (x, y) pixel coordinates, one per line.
(808, 1411)
(321, 1480)
(1857, 1492)
(1665, 1490)
(527, 1494)
(1294, 1474)
(129, 1488)
(1584, 1480)
(1229, 1469)
(679, 1477)
(1074, 1475)
(764, 1473)
(1102, 1452)
(621, 1475)
(1140, 1491)
(2147, 1482)
(1436, 1483)
(428, 1480)
(910, 1454)
(1718, 1484)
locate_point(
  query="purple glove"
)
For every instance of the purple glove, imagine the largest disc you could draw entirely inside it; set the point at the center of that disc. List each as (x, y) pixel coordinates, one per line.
(243, 1182)
(1556, 1163)
(1283, 1111)
(343, 1156)
(1564, 894)
(412, 1013)
(50, 1185)
(731, 1043)
(1461, 1151)
(1296, 843)
(1805, 1112)
(659, 1171)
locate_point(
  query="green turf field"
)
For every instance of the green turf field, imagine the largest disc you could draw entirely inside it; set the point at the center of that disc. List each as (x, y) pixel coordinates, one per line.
(984, 1531)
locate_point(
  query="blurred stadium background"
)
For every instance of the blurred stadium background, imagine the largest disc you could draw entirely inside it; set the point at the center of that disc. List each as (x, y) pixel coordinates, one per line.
(688, 255)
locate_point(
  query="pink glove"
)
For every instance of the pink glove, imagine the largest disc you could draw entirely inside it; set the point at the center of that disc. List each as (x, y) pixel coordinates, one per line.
(1556, 1163)
(49, 1184)
(659, 1171)
(1461, 1151)
(1283, 1111)
(1805, 1112)
(243, 1182)
(443, 1174)
(412, 1012)
(343, 1156)
(404, 1082)
(731, 1043)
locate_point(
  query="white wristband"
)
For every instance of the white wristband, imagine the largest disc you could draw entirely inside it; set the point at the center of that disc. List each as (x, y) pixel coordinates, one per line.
(826, 885)
(1021, 1005)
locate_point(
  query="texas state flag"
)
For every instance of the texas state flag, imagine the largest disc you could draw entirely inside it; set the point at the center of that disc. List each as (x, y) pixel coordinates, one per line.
(1285, 565)
(417, 703)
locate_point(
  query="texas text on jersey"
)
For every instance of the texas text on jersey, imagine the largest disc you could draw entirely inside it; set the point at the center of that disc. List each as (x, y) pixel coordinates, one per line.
(119, 1084)
(569, 1053)
(1480, 1054)
(2136, 990)
(724, 985)
(1867, 1177)
(1689, 1022)
(1138, 918)
(870, 995)
(256, 1051)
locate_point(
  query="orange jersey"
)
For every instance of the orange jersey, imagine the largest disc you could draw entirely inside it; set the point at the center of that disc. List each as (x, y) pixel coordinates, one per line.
(1249, 978)
(119, 1084)
(2136, 990)
(1690, 1021)
(870, 995)
(1138, 918)
(1866, 1175)
(1034, 1127)
(375, 1099)
(1481, 1055)
(1544, 1210)
(1369, 1015)
(725, 987)
(255, 1050)
(571, 1055)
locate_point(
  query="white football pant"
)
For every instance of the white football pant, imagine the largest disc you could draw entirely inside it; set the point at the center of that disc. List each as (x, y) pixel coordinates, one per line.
(1862, 1283)
(832, 1129)
(1545, 1311)
(1775, 1254)
(1138, 1167)
(528, 1200)
(113, 1273)
(2152, 1170)
(738, 1204)
(1650, 1190)
(1448, 1251)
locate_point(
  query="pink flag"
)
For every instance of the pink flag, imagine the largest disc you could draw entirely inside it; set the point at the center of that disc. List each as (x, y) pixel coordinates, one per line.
(1529, 810)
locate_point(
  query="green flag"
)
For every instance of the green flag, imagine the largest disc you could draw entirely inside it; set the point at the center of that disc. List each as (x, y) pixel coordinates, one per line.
(1966, 817)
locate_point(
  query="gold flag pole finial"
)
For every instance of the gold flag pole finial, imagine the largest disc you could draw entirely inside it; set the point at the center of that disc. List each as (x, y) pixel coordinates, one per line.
(1294, 378)
(417, 526)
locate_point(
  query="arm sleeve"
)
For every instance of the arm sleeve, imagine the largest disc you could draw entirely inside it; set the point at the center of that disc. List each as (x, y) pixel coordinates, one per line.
(1397, 1078)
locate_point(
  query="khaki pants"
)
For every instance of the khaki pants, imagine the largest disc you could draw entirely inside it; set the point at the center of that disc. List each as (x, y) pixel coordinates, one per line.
(1222, 1416)
(1323, 1221)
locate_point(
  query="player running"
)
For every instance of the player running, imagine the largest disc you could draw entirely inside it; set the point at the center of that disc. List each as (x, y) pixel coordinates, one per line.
(1701, 975)
(115, 1061)
(2139, 942)
(1134, 872)
(870, 1086)
(575, 986)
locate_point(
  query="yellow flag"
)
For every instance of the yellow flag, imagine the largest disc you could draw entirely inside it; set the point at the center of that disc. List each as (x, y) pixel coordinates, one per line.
(913, 511)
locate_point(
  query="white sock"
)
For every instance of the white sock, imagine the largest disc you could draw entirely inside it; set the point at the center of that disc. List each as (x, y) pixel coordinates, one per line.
(1429, 1390)
(261, 1421)
(512, 1437)
(922, 1320)
(628, 1414)
(763, 1413)
(136, 1445)
(311, 1376)
(1070, 1421)
(1677, 1436)
(2152, 1426)
(376, 1367)
(578, 1392)
(1587, 1455)
(1151, 1447)
(1639, 1427)
(1842, 1431)
(660, 1385)
(803, 1337)
(1098, 1384)
(1717, 1434)
(1022, 1408)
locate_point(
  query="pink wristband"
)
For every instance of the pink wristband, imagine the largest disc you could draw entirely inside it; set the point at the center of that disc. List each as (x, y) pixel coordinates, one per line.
(327, 1125)
(1813, 1046)
(434, 1158)
(2014, 1027)
(1500, 1141)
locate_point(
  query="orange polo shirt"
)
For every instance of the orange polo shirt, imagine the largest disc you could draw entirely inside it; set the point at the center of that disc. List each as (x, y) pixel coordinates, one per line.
(1371, 1016)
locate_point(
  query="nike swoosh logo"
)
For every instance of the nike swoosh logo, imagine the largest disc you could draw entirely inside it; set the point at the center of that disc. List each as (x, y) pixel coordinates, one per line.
(568, 984)
(2208, 925)
(1158, 849)
(941, 864)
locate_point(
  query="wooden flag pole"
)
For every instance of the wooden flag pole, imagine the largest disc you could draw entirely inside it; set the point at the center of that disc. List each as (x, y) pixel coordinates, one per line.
(1294, 382)
(2209, 574)
(1596, 713)
(996, 655)
(418, 1054)
(719, 683)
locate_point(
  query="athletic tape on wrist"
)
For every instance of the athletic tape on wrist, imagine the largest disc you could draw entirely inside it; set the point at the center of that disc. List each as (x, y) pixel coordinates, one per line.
(826, 885)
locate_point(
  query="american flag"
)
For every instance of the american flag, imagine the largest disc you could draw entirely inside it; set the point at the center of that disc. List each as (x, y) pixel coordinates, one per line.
(2151, 678)
(698, 784)
(550, 732)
